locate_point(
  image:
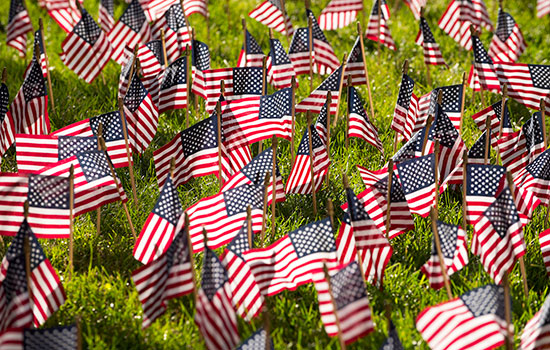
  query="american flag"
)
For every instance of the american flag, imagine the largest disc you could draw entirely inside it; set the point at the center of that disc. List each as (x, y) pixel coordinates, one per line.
(536, 334)
(195, 6)
(534, 137)
(343, 303)
(415, 6)
(498, 236)
(359, 123)
(160, 227)
(223, 214)
(536, 177)
(483, 184)
(298, 52)
(106, 16)
(62, 338)
(200, 56)
(451, 104)
(195, 151)
(94, 185)
(339, 14)
(272, 14)
(254, 53)
(169, 276)
(254, 172)
(257, 341)
(141, 115)
(173, 88)
(176, 32)
(45, 287)
(543, 8)
(64, 13)
(130, 29)
(417, 177)
(508, 42)
(527, 83)
(325, 58)
(239, 82)
(377, 28)
(247, 297)
(214, 314)
(425, 38)
(123, 80)
(411, 149)
(392, 342)
(151, 58)
(155, 9)
(19, 24)
(406, 108)
(7, 126)
(355, 65)
(317, 99)
(544, 241)
(279, 67)
(358, 231)
(86, 50)
(454, 247)
(293, 260)
(482, 72)
(38, 53)
(493, 112)
(29, 109)
(475, 12)
(257, 118)
(451, 23)
(473, 320)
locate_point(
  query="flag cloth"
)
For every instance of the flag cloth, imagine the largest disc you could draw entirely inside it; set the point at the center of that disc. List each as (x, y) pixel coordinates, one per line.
(19, 24)
(293, 260)
(124, 76)
(317, 99)
(151, 63)
(346, 302)
(106, 16)
(325, 58)
(508, 42)
(254, 54)
(160, 227)
(543, 8)
(154, 9)
(536, 177)
(474, 320)
(406, 109)
(417, 177)
(64, 337)
(298, 52)
(130, 29)
(536, 333)
(415, 6)
(482, 72)
(451, 23)
(483, 184)
(544, 242)
(272, 14)
(475, 12)
(195, 6)
(46, 289)
(339, 14)
(493, 112)
(167, 277)
(279, 67)
(451, 104)
(141, 116)
(425, 38)
(247, 297)
(214, 313)
(86, 50)
(223, 214)
(7, 125)
(355, 65)
(173, 87)
(454, 248)
(176, 32)
(64, 12)
(392, 342)
(257, 341)
(359, 123)
(377, 28)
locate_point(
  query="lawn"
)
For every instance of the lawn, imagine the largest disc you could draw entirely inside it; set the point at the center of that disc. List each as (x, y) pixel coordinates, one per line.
(102, 293)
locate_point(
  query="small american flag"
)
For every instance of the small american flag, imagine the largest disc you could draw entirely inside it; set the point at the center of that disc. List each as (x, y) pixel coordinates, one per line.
(411, 149)
(215, 315)
(425, 38)
(298, 52)
(377, 28)
(124, 76)
(451, 104)
(325, 58)
(257, 341)
(415, 6)
(247, 297)
(339, 14)
(169, 276)
(498, 237)
(406, 108)
(272, 14)
(293, 260)
(254, 53)
(454, 246)
(417, 176)
(155, 9)
(61, 338)
(451, 23)
(317, 99)
(355, 65)
(195, 6)
(130, 29)
(482, 322)
(86, 50)
(200, 56)
(536, 177)
(7, 125)
(38, 53)
(19, 24)
(63, 12)
(483, 184)
(141, 116)
(543, 8)
(160, 227)
(345, 301)
(279, 67)
(508, 42)
(544, 241)
(493, 112)
(482, 73)
(359, 123)
(223, 214)
(534, 137)
(176, 32)
(173, 88)
(392, 342)
(151, 58)
(106, 17)
(535, 334)
(475, 12)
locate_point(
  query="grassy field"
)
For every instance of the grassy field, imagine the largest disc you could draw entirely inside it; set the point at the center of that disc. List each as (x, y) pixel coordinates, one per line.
(102, 293)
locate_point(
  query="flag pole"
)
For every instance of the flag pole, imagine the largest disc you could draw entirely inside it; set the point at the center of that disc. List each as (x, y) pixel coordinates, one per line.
(163, 42)
(113, 174)
(219, 121)
(195, 97)
(487, 139)
(359, 258)
(267, 327)
(507, 312)
(134, 60)
(388, 198)
(310, 142)
(463, 101)
(502, 105)
(191, 256)
(188, 79)
(249, 225)
(340, 336)
(329, 102)
(436, 175)
(264, 214)
(340, 86)
(464, 185)
(404, 70)
(310, 45)
(274, 185)
(98, 218)
(362, 42)
(433, 215)
(130, 163)
(27, 252)
(5, 75)
(543, 117)
(264, 92)
(428, 126)
(293, 116)
(377, 2)
(287, 35)
(41, 25)
(71, 219)
(245, 48)
(346, 129)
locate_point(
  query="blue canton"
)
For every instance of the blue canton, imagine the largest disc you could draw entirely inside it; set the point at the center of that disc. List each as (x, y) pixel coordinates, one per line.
(168, 205)
(316, 237)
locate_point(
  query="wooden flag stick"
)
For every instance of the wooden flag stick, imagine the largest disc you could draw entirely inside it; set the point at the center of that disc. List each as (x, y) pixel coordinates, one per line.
(28, 269)
(128, 155)
(264, 92)
(188, 79)
(377, 2)
(5, 75)
(487, 140)
(507, 312)
(388, 198)
(428, 126)
(436, 175)
(163, 41)
(245, 47)
(219, 115)
(433, 214)
(287, 34)
(172, 167)
(293, 116)
(310, 142)
(345, 181)
(185, 18)
(274, 185)
(191, 256)
(267, 327)
(344, 59)
(463, 101)
(264, 215)
(464, 186)
(113, 174)
(346, 129)
(330, 212)
(98, 218)
(502, 108)
(71, 220)
(543, 117)
(249, 225)
(404, 71)
(329, 102)
(310, 45)
(362, 43)
(41, 26)
(132, 67)
(340, 337)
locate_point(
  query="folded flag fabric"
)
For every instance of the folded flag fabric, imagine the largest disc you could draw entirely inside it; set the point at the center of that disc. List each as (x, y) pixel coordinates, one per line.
(508, 42)
(272, 14)
(360, 125)
(377, 28)
(544, 241)
(475, 12)
(543, 8)
(482, 72)
(536, 177)
(254, 54)
(124, 77)
(325, 58)
(280, 69)
(425, 38)
(299, 51)
(106, 16)
(483, 184)
(7, 125)
(451, 104)
(406, 109)
(317, 99)
(417, 177)
(355, 65)
(259, 340)
(535, 334)
(173, 87)
(19, 24)
(415, 6)
(176, 31)
(195, 6)
(339, 14)
(452, 24)
(64, 13)
(493, 112)
(64, 337)
(154, 9)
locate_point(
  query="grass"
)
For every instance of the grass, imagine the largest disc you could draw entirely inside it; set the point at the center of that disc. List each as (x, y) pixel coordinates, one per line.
(102, 293)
